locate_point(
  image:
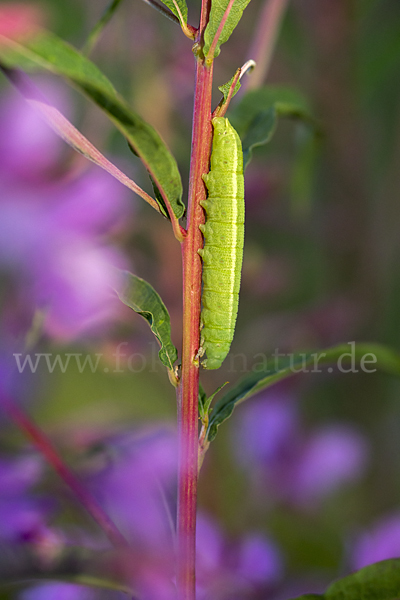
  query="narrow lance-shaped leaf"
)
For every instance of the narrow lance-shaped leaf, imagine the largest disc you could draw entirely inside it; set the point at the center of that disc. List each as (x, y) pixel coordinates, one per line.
(179, 9)
(71, 135)
(380, 581)
(226, 87)
(47, 52)
(139, 295)
(100, 25)
(218, 9)
(382, 358)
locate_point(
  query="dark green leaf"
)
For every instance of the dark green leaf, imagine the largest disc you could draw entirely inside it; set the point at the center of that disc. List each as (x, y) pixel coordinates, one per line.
(380, 581)
(202, 400)
(224, 89)
(259, 132)
(101, 23)
(159, 198)
(177, 7)
(277, 369)
(48, 52)
(218, 8)
(143, 299)
(287, 102)
(256, 117)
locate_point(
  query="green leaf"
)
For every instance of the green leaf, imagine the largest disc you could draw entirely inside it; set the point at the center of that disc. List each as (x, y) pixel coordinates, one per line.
(48, 52)
(101, 23)
(384, 359)
(202, 400)
(178, 8)
(218, 8)
(143, 299)
(288, 102)
(259, 132)
(62, 127)
(159, 198)
(380, 581)
(225, 88)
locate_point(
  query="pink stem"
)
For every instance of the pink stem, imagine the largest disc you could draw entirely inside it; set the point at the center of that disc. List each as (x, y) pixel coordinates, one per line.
(189, 388)
(44, 446)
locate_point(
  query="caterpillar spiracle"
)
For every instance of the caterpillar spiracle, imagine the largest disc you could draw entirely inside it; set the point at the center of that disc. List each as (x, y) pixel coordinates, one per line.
(222, 254)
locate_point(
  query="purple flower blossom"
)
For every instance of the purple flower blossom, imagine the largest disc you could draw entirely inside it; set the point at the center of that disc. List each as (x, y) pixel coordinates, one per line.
(29, 149)
(23, 514)
(58, 591)
(50, 242)
(380, 542)
(300, 469)
(258, 560)
(225, 569)
(332, 457)
(135, 485)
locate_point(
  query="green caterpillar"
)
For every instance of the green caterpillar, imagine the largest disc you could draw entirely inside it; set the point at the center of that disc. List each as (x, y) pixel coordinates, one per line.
(223, 244)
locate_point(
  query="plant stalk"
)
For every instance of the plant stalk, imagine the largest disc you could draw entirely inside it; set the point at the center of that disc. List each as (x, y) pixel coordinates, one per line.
(189, 387)
(43, 444)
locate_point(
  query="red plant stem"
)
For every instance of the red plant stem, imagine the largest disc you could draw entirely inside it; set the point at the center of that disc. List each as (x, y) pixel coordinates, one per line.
(44, 446)
(189, 387)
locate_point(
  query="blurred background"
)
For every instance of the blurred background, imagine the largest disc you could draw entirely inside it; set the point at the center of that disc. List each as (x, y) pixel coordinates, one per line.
(302, 485)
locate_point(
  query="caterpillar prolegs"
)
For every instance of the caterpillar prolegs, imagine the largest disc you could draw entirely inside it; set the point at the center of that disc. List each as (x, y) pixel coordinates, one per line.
(223, 244)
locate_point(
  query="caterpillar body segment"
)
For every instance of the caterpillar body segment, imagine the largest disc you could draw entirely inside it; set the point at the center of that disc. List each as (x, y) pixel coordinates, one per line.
(222, 254)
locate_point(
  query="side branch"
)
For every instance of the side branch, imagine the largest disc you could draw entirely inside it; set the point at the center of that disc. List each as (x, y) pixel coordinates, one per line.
(45, 447)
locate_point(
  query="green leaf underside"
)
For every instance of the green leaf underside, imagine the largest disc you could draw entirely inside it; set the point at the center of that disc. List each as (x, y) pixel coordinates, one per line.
(144, 300)
(258, 381)
(224, 89)
(182, 7)
(260, 131)
(48, 52)
(256, 116)
(218, 8)
(158, 197)
(208, 400)
(380, 581)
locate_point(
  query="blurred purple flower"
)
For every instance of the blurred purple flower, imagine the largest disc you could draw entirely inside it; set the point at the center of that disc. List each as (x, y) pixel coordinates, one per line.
(270, 444)
(135, 484)
(258, 560)
(265, 429)
(23, 513)
(225, 569)
(332, 457)
(380, 542)
(58, 591)
(28, 148)
(50, 231)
